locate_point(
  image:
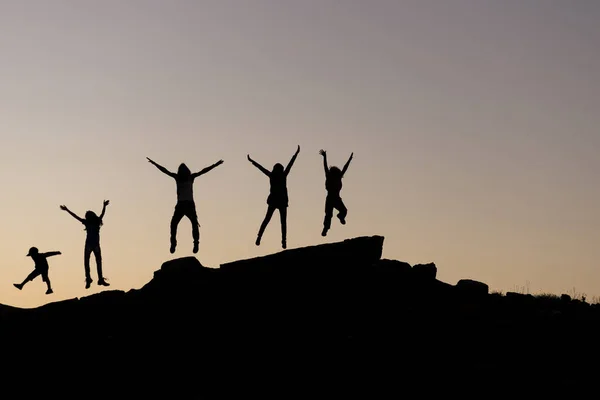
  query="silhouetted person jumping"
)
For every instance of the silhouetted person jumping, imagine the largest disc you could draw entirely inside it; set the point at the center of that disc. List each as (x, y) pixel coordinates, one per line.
(333, 184)
(41, 268)
(185, 207)
(278, 196)
(92, 223)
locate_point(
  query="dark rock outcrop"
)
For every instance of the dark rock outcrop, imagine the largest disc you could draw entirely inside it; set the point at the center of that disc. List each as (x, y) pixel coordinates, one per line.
(338, 308)
(319, 259)
(425, 271)
(472, 287)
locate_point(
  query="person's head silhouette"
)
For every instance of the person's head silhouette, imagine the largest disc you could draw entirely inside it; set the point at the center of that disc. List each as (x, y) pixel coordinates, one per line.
(277, 169)
(183, 171)
(92, 218)
(335, 173)
(32, 251)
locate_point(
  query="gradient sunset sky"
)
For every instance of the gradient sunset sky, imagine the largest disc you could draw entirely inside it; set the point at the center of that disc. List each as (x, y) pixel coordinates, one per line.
(474, 126)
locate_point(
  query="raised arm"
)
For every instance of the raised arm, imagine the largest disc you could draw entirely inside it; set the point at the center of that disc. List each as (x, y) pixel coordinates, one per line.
(324, 154)
(106, 202)
(347, 164)
(289, 166)
(72, 214)
(51, 253)
(205, 170)
(161, 168)
(260, 167)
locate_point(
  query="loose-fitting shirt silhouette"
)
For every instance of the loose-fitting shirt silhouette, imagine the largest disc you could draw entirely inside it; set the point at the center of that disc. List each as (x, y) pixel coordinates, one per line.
(93, 233)
(333, 184)
(41, 264)
(185, 188)
(278, 196)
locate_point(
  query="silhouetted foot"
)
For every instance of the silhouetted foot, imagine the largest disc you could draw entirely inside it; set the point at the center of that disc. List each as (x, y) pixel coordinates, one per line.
(257, 241)
(88, 282)
(342, 219)
(49, 291)
(283, 244)
(173, 246)
(102, 282)
(324, 233)
(19, 286)
(195, 247)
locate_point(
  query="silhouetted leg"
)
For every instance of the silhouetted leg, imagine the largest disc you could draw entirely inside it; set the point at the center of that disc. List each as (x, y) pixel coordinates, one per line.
(193, 217)
(86, 265)
(29, 278)
(47, 280)
(328, 214)
(343, 211)
(177, 216)
(34, 274)
(263, 226)
(98, 255)
(283, 217)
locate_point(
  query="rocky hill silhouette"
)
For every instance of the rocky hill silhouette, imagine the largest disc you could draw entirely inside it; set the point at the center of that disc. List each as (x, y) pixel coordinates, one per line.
(330, 310)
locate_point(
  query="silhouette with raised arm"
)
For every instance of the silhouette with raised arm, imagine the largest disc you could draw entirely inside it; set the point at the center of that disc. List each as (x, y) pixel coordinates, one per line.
(185, 207)
(333, 184)
(92, 223)
(278, 196)
(41, 268)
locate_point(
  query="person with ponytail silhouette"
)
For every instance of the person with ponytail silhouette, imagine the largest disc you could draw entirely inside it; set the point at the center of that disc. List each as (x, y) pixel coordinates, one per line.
(333, 185)
(278, 196)
(186, 206)
(92, 223)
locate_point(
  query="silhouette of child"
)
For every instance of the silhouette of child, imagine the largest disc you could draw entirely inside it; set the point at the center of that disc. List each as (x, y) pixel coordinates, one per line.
(333, 184)
(92, 223)
(41, 268)
(278, 196)
(185, 207)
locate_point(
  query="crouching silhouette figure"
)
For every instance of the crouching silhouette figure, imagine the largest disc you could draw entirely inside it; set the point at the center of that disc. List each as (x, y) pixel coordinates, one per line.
(333, 184)
(92, 223)
(41, 268)
(278, 196)
(185, 207)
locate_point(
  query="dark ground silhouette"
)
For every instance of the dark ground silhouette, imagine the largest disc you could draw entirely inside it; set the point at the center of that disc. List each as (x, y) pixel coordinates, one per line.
(40, 268)
(333, 318)
(333, 185)
(278, 196)
(92, 223)
(186, 206)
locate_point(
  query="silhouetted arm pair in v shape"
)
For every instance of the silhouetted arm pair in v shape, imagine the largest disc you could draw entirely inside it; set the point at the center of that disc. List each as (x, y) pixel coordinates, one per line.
(333, 184)
(92, 223)
(186, 206)
(278, 196)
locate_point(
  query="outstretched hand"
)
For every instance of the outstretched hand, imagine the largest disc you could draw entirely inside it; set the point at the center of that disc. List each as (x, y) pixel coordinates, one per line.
(298, 150)
(106, 202)
(351, 155)
(249, 159)
(322, 152)
(149, 160)
(64, 208)
(219, 162)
